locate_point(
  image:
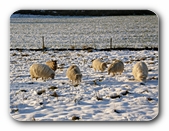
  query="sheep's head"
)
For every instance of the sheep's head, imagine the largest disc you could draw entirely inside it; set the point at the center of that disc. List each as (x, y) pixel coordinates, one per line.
(54, 65)
(104, 66)
(143, 79)
(53, 75)
(78, 77)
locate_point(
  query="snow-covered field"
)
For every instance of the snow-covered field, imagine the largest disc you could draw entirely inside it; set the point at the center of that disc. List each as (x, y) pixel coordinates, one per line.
(77, 32)
(99, 97)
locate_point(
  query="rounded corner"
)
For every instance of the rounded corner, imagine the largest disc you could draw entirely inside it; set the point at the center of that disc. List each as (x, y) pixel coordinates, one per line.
(154, 13)
(155, 118)
(13, 13)
(13, 117)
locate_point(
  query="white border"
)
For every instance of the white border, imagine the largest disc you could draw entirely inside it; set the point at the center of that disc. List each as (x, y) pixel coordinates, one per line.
(8, 7)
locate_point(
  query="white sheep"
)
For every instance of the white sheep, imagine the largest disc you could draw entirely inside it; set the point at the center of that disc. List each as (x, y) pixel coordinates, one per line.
(52, 64)
(140, 71)
(74, 74)
(41, 71)
(115, 67)
(97, 64)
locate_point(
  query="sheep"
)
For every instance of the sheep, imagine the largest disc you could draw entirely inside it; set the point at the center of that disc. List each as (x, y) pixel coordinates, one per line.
(97, 64)
(74, 74)
(52, 64)
(140, 71)
(41, 71)
(115, 67)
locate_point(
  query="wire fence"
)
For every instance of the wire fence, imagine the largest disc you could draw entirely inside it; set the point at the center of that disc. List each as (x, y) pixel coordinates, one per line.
(66, 42)
(80, 33)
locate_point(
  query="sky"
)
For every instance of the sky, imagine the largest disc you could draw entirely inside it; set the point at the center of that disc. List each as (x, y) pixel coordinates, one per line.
(8, 7)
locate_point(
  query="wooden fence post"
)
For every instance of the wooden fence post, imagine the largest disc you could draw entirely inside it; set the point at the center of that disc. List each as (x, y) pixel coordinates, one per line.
(110, 43)
(43, 44)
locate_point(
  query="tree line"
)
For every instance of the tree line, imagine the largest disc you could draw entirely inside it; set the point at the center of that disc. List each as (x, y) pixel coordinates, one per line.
(85, 12)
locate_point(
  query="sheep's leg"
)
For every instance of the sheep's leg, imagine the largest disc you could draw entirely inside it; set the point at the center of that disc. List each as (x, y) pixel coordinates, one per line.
(32, 77)
(44, 79)
(70, 80)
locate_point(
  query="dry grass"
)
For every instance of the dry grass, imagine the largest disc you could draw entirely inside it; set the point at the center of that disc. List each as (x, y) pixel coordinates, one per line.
(75, 118)
(41, 92)
(54, 94)
(53, 88)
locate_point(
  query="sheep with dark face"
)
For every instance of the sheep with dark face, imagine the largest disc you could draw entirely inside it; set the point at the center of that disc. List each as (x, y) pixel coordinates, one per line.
(116, 67)
(97, 64)
(41, 71)
(52, 64)
(74, 74)
(140, 71)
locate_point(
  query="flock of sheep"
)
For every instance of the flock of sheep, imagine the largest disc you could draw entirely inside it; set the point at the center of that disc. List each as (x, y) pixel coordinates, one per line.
(47, 70)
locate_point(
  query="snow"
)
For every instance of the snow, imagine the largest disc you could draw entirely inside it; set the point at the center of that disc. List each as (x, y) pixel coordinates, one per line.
(99, 97)
(96, 32)
(139, 103)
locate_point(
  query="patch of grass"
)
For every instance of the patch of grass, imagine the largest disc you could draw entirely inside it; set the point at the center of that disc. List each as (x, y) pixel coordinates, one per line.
(30, 83)
(75, 85)
(33, 118)
(89, 50)
(114, 97)
(41, 92)
(14, 110)
(79, 55)
(23, 90)
(95, 82)
(128, 62)
(142, 83)
(117, 111)
(125, 93)
(149, 99)
(24, 55)
(41, 103)
(62, 64)
(143, 58)
(13, 62)
(131, 79)
(153, 78)
(151, 63)
(53, 88)
(84, 47)
(145, 91)
(73, 47)
(75, 118)
(14, 54)
(98, 96)
(54, 94)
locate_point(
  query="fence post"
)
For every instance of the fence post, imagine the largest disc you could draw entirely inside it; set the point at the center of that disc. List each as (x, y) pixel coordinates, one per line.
(110, 43)
(43, 44)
